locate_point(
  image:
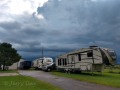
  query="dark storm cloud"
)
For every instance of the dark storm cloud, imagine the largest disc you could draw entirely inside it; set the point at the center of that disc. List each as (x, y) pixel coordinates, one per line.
(10, 25)
(33, 49)
(66, 25)
(85, 21)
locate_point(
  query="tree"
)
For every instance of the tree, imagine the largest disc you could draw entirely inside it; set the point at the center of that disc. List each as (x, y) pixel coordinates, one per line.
(8, 55)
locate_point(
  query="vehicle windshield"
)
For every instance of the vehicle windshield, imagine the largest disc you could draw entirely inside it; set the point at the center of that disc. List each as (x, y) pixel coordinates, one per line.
(112, 53)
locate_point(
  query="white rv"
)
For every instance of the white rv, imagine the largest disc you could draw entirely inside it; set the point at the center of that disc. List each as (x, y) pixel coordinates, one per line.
(86, 59)
(44, 63)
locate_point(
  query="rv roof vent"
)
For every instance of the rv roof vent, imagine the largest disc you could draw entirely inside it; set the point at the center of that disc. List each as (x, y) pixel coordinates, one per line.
(93, 46)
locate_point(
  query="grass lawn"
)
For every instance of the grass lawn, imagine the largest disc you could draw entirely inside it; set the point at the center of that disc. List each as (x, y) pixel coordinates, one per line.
(24, 83)
(108, 79)
(8, 71)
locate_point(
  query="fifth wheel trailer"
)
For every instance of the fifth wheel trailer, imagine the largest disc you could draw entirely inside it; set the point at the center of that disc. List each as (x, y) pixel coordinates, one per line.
(91, 59)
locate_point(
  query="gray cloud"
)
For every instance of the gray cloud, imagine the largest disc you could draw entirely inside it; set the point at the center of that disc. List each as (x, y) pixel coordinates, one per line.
(10, 25)
(66, 25)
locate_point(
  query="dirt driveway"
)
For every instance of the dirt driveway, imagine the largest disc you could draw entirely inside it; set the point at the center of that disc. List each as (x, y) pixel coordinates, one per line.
(65, 83)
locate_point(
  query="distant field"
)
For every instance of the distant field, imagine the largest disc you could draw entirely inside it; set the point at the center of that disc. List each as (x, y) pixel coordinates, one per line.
(108, 78)
(24, 83)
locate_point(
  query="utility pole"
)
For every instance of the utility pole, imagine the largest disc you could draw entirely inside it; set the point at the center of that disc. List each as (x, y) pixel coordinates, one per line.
(42, 53)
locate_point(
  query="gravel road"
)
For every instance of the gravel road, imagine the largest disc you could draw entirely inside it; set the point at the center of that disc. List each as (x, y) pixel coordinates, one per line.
(65, 83)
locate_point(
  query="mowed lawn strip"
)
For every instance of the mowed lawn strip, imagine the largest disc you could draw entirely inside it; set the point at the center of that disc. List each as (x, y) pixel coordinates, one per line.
(24, 83)
(8, 71)
(108, 79)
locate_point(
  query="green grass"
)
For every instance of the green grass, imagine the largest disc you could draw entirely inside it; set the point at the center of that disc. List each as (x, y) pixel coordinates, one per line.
(114, 70)
(24, 83)
(8, 71)
(108, 79)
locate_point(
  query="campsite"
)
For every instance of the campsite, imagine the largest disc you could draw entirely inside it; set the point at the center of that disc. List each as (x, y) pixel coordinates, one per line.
(44, 73)
(59, 44)
(33, 80)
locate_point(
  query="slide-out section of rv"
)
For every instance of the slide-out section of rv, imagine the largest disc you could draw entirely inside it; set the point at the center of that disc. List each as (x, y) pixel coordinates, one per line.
(86, 59)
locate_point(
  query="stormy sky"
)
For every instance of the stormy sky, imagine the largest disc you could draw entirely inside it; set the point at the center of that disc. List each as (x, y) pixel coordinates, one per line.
(59, 26)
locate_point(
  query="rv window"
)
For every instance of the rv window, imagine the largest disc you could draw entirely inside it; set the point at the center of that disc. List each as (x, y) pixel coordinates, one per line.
(112, 53)
(72, 59)
(65, 61)
(59, 61)
(90, 54)
(79, 57)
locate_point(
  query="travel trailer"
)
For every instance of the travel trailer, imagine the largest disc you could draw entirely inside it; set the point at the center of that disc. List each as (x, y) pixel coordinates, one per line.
(44, 63)
(86, 59)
